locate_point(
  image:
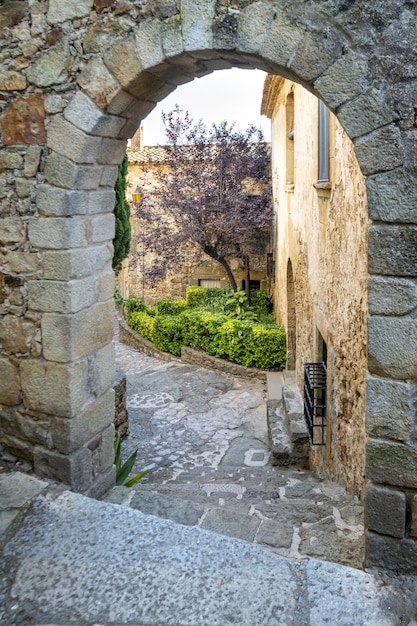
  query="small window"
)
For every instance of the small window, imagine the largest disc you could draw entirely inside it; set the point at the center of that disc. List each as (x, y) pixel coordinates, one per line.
(323, 144)
(209, 282)
(254, 285)
(315, 402)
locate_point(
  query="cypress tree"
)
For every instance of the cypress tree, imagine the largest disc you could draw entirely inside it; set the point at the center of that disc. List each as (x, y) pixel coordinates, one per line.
(121, 241)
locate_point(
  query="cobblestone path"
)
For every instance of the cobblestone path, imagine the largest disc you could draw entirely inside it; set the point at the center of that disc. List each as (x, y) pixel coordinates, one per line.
(203, 436)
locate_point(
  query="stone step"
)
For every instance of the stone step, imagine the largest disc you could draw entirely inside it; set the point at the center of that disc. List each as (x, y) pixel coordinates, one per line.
(287, 431)
(290, 512)
(69, 558)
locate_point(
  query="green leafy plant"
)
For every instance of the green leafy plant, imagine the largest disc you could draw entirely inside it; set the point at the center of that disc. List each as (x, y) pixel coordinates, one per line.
(118, 298)
(123, 471)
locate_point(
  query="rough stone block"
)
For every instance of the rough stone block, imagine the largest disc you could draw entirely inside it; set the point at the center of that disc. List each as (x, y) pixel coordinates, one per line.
(74, 470)
(389, 337)
(51, 67)
(59, 11)
(392, 196)
(391, 296)
(391, 463)
(282, 40)
(53, 388)
(12, 230)
(101, 370)
(13, 338)
(344, 80)
(385, 511)
(128, 71)
(108, 176)
(83, 113)
(148, 43)
(70, 434)
(392, 250)
(102, 228)
(53, 201)
(24, 121)
(106, 450)
(68, 338)
(61, 297)
(57, 232)
(307, 63)
(62, 172)
(73, 264)
(32, 161)
(23, 263)
(380, 151)
(120, 102)
(366, 113)
(9, 382)
(78, 146)
(112, 152)
(101, 201)
(171, 37)
(254, 24)
(196, 20)
(105, 288)
(12, 81)
(22, 186)
(10, 160)
(413, 525)
(388, 409)
(398, 555)
(96, 80)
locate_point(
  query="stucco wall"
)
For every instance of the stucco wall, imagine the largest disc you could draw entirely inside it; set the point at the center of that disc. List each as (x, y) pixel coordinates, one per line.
(322, 230)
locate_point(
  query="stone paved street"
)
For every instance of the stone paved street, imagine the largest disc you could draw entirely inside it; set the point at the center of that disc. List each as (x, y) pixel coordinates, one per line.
(203, 436)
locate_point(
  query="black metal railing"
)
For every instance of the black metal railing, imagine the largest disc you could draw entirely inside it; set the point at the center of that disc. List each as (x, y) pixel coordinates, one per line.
(315, 402)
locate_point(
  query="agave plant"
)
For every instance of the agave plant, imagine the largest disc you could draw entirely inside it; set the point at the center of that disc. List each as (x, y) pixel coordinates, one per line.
(123, 471)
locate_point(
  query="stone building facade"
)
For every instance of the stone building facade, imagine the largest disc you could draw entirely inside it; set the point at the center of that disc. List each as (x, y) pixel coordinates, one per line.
(200, 269)
(321, 267)
(76, 79)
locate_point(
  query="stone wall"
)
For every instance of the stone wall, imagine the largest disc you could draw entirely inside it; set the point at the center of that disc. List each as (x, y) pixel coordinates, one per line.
(76, 79)
(322, 231)
(133, 280)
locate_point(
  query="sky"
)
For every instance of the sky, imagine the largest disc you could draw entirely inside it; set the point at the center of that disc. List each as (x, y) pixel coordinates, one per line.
(234, 94)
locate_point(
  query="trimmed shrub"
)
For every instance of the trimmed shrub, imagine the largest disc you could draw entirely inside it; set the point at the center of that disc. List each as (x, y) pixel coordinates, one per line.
(171, 307)
(201, 330)
(167, 334)
(240, 340)
(142, 323)
(260, 302)
(196, 296)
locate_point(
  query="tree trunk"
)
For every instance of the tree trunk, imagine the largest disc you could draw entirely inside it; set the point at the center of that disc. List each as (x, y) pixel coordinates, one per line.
(211, 252)
(247, 277)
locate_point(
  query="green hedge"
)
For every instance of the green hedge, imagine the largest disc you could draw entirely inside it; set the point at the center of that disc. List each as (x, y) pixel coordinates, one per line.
(171, 307)
(167, 334)
(241, 341)
(142, 323)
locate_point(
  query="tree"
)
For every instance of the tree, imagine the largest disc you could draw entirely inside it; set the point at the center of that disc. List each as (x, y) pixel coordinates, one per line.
(121, 241)
(213, 186)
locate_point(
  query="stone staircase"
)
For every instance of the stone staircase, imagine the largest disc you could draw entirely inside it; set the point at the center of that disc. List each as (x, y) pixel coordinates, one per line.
(69, 559)
(287, 431)
(289, 511)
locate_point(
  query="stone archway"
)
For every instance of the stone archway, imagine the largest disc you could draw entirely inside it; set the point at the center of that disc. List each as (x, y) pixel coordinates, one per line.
(77, 79)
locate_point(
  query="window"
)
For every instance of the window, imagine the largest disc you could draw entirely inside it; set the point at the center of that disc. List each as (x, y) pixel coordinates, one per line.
(289, 124)
(315, 391)
(323, 143)
(254, 285)
(209, 282)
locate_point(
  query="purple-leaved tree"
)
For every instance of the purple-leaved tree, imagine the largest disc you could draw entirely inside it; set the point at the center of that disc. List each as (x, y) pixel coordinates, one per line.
(209, 190)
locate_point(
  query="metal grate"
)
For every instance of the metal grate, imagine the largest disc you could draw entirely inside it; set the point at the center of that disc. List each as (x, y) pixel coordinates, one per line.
(315, 402)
